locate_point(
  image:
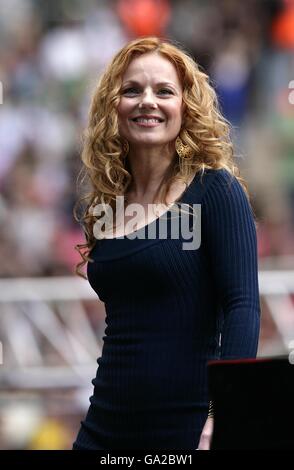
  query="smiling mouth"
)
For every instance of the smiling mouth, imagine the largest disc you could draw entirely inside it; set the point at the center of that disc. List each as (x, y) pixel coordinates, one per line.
(147, 120)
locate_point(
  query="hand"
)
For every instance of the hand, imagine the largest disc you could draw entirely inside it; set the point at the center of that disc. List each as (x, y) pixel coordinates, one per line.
(206, 435)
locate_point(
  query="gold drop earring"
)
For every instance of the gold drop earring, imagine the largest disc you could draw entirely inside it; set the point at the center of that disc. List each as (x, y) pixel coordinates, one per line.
(184, 151)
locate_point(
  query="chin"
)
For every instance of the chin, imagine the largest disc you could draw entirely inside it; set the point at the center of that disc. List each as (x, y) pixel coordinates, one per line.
(147, 142)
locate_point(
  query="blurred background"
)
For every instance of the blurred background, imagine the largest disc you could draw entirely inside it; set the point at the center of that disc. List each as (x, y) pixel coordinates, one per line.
(51, 55)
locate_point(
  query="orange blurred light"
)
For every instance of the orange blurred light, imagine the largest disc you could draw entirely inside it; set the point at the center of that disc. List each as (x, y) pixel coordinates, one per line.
(144, 17)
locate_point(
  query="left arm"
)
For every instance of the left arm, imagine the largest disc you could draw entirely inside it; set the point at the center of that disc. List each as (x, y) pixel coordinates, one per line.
(230, 239)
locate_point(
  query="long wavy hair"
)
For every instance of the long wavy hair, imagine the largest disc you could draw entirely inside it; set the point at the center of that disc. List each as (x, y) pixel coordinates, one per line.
(104, 166)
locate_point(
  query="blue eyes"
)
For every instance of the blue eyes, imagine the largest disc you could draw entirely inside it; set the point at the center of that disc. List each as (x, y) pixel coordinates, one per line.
(133, 90)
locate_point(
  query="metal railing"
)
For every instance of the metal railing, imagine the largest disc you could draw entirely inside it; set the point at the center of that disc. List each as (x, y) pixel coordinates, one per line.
(48, 340)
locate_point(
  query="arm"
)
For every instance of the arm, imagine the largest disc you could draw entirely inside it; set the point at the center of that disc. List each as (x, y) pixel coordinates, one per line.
(207, 431)
(229, 236)
(230, 240)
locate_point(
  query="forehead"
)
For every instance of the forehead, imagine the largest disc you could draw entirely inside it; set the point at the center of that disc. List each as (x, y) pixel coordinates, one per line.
(151, 66)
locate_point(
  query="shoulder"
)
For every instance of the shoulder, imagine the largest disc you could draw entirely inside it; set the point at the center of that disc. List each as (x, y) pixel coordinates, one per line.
(219, 176)
(226, 198)
(222, 183)
(211, 180)
(214, 186)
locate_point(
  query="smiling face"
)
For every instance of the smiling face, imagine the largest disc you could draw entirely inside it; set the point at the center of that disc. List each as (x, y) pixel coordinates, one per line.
(150, 107)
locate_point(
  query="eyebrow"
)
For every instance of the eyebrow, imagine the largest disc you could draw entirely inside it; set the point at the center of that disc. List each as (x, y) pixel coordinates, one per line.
(134, 82)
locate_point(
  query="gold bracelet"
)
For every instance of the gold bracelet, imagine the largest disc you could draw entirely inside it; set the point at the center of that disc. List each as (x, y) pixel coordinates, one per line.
(210, 410)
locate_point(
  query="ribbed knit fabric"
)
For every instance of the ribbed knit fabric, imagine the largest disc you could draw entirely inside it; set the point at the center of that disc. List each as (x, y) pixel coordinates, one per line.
(169, 311)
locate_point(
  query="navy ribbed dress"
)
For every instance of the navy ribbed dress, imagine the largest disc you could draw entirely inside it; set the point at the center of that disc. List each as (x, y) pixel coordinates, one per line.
(169, 311)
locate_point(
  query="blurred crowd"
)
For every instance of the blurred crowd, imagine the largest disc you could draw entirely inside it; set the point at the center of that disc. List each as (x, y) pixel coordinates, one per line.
(51, 54)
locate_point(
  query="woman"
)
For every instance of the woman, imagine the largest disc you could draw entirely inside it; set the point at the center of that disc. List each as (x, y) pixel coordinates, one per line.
(156, 135)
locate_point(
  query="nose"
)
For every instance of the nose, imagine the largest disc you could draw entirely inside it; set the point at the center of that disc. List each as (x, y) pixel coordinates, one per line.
(148, 100)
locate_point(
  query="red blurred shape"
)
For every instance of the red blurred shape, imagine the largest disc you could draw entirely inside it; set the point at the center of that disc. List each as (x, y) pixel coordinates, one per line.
(283, 27)
(144, 17)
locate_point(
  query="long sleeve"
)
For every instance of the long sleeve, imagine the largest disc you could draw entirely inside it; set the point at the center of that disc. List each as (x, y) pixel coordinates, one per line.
(229, 235)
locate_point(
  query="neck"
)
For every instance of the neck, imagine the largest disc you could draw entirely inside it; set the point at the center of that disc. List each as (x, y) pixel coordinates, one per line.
(149, 167)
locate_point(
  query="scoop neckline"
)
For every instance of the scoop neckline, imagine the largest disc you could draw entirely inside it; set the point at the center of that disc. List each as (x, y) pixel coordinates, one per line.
(177, 201)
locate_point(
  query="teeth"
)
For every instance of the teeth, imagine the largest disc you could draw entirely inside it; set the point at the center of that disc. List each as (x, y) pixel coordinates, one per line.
(146, 121)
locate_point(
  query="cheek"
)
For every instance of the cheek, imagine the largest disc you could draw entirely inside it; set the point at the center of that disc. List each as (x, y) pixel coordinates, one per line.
(123, 109)
(175, 112)
(123, 113)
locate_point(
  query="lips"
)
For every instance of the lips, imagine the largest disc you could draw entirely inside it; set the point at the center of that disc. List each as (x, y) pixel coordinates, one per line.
(147, 123)
(144, 117)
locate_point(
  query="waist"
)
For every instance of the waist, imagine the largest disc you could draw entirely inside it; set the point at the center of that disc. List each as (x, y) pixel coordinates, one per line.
(155, 374)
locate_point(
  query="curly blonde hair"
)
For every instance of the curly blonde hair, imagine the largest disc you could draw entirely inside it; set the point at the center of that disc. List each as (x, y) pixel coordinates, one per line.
(203, 129)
